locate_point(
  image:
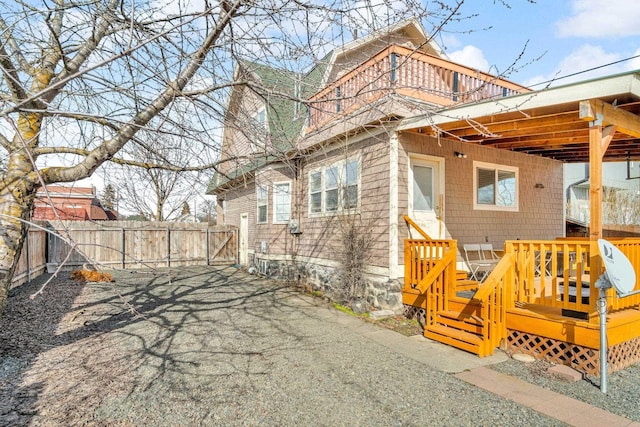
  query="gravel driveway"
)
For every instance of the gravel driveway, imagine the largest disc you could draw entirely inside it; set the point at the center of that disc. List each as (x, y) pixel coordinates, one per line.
(214, 346)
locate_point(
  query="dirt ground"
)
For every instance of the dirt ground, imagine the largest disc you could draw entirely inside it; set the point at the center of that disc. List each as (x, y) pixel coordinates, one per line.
(68, 353)
(214, 346)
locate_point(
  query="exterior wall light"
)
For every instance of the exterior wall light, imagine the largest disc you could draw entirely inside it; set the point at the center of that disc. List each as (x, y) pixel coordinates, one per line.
(460, 155)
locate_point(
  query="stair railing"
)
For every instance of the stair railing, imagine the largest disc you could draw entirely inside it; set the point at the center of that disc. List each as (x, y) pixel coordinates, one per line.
(496, 295)
(430, 271)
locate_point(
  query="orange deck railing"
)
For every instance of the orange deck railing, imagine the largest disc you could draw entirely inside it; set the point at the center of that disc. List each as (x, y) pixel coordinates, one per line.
(422, 256)
(410, 73)
(558, 273)
(555, 273)
(494, 295)
(430, 272)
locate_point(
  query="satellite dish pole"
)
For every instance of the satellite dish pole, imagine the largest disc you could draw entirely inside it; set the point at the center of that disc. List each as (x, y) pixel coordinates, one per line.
(604, 285)
(620, 275)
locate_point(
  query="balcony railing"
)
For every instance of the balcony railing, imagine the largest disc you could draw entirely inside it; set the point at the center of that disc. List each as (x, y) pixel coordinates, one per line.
(403, 71)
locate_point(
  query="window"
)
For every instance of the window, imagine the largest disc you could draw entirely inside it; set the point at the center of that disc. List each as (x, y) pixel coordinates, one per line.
(334, 188)
(495, 187)
(260, 118)
(258, 131)
(262, 202)
(281, 202)
(350, 185)
(422, 188)
(315, 192)
(394, 67)
(331, 189)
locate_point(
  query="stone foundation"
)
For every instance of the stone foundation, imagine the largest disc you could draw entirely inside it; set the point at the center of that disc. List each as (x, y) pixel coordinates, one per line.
(379, 293)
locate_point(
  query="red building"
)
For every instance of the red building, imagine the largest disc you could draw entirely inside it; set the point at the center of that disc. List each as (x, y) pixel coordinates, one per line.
(70, 203)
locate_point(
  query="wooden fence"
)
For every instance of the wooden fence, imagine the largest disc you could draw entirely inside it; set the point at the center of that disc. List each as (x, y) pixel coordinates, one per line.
(33, 259)
(134, 244)
(126, 245)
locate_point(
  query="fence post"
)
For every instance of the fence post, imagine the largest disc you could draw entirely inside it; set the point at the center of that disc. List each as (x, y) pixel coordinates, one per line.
(207, 250)
(122, 246)
(168, 247)
(28, 251)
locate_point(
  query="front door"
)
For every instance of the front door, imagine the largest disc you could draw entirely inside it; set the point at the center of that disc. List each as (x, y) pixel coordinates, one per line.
(426, 194)
(244, 239)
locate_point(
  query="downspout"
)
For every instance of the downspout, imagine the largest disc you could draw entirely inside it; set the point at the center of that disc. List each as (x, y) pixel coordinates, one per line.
(295, 237)
(580, 181)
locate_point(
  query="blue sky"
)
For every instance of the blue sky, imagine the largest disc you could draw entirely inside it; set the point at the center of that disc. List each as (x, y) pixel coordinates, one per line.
(567, 36)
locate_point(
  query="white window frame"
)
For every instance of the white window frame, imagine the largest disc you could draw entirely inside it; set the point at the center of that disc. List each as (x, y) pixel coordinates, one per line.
(260, 117)
(276, 204)
(496, 168)
(259, 124)
(340, 187)
(319, 191)
(262, 202)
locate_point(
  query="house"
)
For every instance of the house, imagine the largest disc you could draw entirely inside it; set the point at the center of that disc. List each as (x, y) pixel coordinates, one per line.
(392, 156)
(621, 186)
(70, 203)
(296, 174)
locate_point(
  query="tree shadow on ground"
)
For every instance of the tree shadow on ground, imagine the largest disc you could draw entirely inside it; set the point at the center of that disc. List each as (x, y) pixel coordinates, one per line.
(82, 353)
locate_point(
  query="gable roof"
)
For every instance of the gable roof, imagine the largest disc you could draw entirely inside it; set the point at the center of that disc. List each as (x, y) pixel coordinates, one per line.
(410, 29)
(280, 88)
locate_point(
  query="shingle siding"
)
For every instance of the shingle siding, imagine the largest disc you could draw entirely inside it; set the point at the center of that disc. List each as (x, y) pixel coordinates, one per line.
(540, 209)
(321, 236)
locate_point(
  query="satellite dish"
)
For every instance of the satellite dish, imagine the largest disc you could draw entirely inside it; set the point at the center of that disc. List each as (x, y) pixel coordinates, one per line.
(619, 271)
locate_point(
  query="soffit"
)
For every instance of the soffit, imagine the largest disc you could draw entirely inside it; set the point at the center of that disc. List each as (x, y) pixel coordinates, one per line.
(546, 123)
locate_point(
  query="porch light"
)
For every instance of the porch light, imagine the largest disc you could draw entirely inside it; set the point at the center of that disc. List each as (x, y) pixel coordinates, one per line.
(460, 155)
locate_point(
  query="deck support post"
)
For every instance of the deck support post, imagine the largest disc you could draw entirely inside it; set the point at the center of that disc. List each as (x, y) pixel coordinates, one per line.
(602, 311)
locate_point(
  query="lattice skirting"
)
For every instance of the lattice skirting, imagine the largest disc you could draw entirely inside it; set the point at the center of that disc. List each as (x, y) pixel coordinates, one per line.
(583, 359)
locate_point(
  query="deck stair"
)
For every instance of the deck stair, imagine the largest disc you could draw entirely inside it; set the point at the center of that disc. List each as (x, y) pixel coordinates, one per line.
(457, 329)
(466, 285)
(455, 338)
(523, 304)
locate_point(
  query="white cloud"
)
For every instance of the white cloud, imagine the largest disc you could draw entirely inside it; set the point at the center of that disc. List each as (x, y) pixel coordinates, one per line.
(598, 18)
(449, 41)
(585, 58)
(470, 56)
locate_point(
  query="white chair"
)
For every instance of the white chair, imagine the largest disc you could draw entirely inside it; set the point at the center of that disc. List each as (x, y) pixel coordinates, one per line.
(479, 265)
(488, 252)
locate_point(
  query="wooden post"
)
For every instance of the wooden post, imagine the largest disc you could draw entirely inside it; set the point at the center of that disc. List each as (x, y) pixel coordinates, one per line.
(595, 182)
(122, 245)
(168, 247)
(208, 243)
(595, 206)
(28, 255)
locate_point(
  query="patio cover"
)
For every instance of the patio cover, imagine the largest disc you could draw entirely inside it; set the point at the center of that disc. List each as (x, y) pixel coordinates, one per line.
(592, 121)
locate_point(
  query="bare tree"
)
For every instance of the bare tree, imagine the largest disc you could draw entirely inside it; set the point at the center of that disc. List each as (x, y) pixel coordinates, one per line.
(207, 212)
(82, 80)
(158, 193)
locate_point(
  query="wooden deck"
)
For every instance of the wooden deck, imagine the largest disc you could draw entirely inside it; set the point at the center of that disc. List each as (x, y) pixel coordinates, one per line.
(410, 73)
(529, 303)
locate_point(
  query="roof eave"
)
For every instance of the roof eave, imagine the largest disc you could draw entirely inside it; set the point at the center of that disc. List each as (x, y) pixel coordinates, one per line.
(627, 83)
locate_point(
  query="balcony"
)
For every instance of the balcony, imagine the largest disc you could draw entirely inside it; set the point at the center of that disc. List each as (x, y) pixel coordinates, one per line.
(408, 73)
